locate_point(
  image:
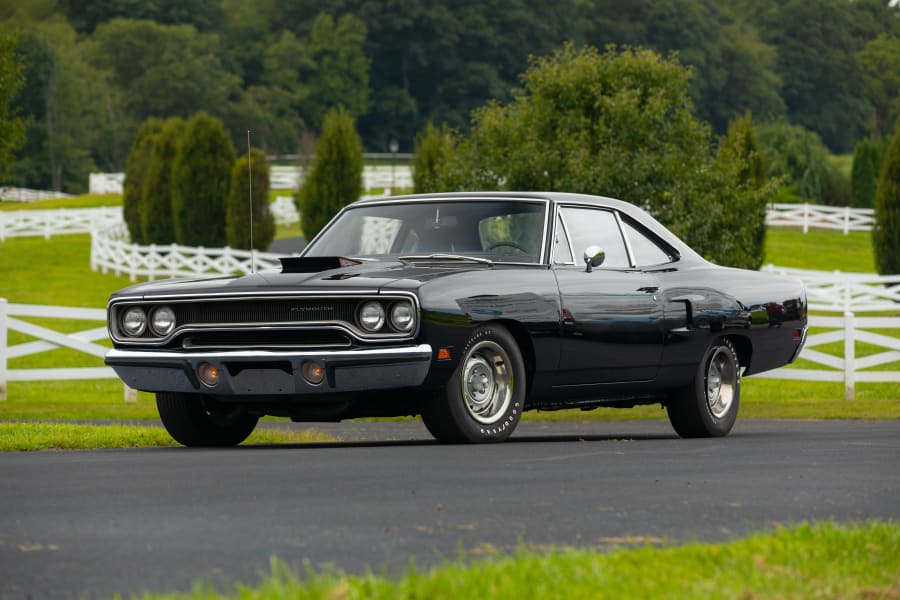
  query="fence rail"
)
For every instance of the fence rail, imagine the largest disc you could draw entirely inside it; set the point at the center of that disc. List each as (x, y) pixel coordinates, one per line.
(49, 339)
(46, 223)
(111, 251)
(16, 194)
(841, 218)
(848, 369)
(834, 291)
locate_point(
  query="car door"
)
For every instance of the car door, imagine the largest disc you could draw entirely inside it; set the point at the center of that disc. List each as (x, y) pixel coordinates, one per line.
(612, 322)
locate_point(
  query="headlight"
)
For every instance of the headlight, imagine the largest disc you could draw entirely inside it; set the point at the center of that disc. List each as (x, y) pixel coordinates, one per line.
(402, 316)
(134, 321)
(371, 316)
(162, 320)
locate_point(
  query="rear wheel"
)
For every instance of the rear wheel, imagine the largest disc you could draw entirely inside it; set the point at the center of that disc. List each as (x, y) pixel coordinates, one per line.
(197, 420)
(708, 407)
(484, 398)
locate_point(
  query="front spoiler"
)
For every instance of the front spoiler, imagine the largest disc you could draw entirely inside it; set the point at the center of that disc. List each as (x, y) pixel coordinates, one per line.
(269, 372)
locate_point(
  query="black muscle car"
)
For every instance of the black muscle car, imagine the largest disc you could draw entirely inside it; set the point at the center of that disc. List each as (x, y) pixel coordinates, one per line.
(466, 308)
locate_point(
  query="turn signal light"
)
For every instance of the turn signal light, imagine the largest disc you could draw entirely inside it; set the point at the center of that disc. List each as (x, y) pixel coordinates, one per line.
(312, 372)
(443, 354)
(208, 374)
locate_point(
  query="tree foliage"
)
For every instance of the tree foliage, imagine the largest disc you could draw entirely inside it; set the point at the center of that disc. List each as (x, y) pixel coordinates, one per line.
(866, 169)
(200, 179)
(886, 233)
(241, 201)
(157, 226)
(433, 149)
(12, 130)
(335, 177)
(880, 61)
(136, 177)
(617, 123)
(798, 156)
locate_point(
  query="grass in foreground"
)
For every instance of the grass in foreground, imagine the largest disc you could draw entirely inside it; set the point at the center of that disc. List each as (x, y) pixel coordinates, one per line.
(806, 561)
(16, 437)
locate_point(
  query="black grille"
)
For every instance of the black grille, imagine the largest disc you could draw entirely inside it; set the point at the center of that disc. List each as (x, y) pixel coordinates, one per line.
(239, 312)
(256, 338)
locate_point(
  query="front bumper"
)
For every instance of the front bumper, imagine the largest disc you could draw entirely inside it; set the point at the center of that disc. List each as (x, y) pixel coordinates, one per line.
(265, 372)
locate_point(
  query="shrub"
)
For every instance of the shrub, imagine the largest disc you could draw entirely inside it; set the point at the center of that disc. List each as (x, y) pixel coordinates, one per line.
(335, 176)
(797, 155)
(433, 148)
(886, 234)
(866, 168)
(237, 216)
(156, 206)
(201, 174)
(136, 170)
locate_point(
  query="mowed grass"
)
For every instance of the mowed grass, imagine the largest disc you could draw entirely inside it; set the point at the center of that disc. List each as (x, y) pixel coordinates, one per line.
(83, 201)
(18, 436)
(825, 560)
(820, 250)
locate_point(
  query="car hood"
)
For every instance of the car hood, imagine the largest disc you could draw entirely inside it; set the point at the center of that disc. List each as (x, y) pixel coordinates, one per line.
(369, 277)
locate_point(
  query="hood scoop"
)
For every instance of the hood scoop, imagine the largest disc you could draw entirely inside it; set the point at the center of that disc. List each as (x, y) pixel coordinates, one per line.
(315, 264)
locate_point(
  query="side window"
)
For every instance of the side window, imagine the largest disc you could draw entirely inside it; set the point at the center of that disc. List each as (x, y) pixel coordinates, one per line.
(562, 252)
(646, 251)
(594, 227)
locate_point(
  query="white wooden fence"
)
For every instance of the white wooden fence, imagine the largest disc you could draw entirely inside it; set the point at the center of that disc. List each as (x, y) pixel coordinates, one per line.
(848, 369)
(111, 251)
(46, 223)
(834, 291)
(49, 339)
(15, 194)
(841, 218)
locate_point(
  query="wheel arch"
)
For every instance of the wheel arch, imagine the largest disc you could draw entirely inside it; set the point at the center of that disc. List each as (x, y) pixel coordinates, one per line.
(526, 347)
(744, 348)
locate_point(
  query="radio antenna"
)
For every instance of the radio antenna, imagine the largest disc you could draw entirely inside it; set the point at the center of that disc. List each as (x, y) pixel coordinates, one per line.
(250, 189)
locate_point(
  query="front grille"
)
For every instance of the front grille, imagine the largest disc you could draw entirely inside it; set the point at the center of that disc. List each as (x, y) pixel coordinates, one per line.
(276, 311)
(269, 339)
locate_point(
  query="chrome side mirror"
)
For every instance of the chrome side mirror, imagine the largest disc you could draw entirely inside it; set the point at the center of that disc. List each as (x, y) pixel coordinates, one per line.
(594, 257)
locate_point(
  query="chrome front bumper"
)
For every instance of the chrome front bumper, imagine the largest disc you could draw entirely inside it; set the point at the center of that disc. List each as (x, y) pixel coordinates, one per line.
(264, 372)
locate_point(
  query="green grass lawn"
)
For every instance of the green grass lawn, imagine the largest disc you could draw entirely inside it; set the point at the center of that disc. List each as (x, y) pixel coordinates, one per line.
(84, 201)
(820, 250)
(824, 560)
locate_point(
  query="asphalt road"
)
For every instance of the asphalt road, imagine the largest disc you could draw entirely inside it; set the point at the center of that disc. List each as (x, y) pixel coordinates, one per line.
(89, 524)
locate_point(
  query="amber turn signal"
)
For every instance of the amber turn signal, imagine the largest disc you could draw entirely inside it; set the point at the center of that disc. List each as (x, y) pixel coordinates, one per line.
(312, 372)
(444, 354)
(208, 374)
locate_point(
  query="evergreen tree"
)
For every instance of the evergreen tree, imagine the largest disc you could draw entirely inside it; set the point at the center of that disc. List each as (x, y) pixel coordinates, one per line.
(200, 178)
(136, 172)
(335, 177)
(433, 148)
(886, 234)
(156, 203)
(237, 218)
(866, 168)
(12, 130)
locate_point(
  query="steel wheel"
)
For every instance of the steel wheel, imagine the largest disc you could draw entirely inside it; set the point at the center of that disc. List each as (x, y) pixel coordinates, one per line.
(486, 382)
(721, 382)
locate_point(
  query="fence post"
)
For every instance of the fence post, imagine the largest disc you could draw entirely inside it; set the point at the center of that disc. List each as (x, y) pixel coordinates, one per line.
(4, 307)
(846, 220)
(849, 356)
(806, 217)
(130, 394)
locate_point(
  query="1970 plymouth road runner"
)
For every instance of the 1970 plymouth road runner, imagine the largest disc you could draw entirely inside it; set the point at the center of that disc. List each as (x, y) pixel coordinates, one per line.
(466, 308)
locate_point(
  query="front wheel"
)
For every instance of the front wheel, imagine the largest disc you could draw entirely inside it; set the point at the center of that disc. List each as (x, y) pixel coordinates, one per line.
(484, 398)
(708, 407)
(196, 420)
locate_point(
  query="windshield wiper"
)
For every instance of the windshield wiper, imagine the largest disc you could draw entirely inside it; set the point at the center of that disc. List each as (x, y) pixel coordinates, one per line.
(440, 256)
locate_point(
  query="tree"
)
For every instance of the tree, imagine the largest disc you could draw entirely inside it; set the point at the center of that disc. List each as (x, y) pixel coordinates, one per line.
(240, 200)
(86, 15)
(433, 149)
(136, 177)
(798, 156)
(880, 61)
(886, 233)
(617, 123)
(200, 179)
(157, 226)
(866, 169)
(335, 177)
(12, 130)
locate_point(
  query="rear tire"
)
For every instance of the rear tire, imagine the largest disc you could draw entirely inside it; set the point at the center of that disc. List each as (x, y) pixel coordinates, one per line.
(484, 398)
(708, 407)
(197, 420)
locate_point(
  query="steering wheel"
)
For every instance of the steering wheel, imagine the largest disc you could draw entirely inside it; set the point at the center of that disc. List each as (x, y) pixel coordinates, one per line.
(510, 244)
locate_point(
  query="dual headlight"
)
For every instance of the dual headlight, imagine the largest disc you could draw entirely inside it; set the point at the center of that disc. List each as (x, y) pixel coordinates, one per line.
(400, 316)
(134, 321)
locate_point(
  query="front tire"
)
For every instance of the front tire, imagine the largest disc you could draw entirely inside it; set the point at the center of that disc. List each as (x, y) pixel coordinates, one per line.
(484, 398)
(708, 407)
(196, 420)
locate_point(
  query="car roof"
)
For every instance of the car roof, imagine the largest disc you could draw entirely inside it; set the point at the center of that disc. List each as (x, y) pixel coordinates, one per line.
(635, 212)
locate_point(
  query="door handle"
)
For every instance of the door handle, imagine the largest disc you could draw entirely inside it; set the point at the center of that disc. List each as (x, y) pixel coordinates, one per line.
(649, 289)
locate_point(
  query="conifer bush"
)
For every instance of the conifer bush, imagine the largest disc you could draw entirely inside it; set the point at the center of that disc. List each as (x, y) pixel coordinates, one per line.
(886, 233)
(136, 171)
(866, 168)
(433, 148)
(156, 205)
(201, 175)
(335, 177)
(237, 219)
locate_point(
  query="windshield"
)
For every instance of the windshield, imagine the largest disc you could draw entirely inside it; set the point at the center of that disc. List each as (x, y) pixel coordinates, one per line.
(497, 230)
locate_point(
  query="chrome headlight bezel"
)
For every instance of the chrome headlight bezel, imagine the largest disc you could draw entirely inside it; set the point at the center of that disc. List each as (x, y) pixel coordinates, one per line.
(140, 318)
(168, 320)
(403, 323)
(371, 316)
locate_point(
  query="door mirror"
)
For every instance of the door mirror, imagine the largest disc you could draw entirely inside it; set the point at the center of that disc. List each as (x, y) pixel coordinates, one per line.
(594, 257)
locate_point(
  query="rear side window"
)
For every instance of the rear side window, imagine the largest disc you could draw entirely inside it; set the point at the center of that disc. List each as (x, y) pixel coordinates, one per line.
(646, 251)
(596, 227)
